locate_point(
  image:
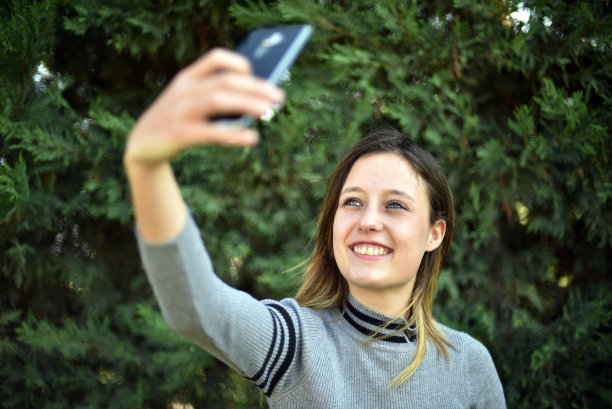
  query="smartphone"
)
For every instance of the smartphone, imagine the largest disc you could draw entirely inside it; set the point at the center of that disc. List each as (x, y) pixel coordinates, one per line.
(271, 51)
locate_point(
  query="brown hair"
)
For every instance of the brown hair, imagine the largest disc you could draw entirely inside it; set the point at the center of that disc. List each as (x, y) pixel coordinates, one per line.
(324, 286)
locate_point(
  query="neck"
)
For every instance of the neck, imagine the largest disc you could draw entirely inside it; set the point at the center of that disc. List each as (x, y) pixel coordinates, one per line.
(389, 303)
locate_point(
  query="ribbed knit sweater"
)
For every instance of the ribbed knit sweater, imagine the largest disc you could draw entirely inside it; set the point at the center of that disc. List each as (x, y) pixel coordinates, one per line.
(305, 358)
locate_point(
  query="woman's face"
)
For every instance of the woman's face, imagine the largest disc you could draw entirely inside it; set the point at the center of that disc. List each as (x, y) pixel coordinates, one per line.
(381, 229)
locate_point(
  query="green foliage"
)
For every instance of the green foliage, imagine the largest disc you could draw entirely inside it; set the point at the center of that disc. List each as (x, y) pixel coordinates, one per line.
(517, 112)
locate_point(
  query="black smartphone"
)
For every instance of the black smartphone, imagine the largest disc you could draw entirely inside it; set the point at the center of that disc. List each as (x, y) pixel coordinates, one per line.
(271, 51)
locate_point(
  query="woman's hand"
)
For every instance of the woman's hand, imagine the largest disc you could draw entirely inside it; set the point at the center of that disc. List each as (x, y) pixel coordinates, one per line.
(219, 83)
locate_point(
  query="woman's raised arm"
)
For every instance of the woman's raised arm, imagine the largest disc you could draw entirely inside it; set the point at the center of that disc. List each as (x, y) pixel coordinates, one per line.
(219, 83)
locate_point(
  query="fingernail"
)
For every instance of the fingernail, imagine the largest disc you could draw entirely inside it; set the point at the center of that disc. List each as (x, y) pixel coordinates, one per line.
(251, 136)
(278, 94)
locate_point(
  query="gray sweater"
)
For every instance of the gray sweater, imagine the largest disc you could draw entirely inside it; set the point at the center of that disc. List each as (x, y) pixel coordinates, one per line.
(305, 358)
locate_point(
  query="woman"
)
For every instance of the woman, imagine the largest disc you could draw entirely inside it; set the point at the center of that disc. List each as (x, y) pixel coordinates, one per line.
(360, 333)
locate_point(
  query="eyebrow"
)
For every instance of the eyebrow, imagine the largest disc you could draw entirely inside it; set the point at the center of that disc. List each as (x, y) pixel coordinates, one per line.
(394, 192)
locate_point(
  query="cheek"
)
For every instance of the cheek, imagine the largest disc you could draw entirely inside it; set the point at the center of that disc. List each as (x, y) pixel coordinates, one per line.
(335, 235)
(418, 240)
(338, 235)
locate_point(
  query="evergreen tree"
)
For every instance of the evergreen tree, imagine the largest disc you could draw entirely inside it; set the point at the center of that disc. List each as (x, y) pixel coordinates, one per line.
(517, 111)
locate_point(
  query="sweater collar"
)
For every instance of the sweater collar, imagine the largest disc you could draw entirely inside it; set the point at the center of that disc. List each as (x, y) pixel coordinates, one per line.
(368, 322)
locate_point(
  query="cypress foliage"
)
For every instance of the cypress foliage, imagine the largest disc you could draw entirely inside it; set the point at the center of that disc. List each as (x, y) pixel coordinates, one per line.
(517, 110)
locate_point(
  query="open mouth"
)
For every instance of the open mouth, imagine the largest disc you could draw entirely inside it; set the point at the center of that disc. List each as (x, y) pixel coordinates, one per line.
(370, 250)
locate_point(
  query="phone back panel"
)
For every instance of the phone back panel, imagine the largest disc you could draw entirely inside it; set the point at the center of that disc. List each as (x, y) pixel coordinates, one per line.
(273, 50)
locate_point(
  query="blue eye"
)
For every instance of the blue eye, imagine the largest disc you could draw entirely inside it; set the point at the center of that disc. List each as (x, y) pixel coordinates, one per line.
(351, 201)
(396, 205)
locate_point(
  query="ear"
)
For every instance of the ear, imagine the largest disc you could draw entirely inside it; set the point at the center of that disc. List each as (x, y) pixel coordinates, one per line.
(436, 235)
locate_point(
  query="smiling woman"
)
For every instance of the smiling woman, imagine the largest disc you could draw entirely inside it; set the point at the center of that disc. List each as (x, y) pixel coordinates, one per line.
(360, 332)
(387, 194)
(381, 231)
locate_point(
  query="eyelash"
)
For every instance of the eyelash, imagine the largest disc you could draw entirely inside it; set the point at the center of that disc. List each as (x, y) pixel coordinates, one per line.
(349, 202)
(399, 204)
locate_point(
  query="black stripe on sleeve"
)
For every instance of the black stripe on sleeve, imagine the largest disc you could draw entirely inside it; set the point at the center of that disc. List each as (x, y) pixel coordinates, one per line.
(281, 346)
(290, 348)
(258, 375)
(284, 340)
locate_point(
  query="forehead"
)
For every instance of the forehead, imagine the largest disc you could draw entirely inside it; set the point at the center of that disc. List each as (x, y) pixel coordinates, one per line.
(384, 171)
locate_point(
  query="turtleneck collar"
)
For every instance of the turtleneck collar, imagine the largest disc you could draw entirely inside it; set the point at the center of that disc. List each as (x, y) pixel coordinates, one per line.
(368, 322)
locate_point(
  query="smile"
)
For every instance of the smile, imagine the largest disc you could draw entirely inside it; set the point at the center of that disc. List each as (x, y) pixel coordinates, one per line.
(369, 250)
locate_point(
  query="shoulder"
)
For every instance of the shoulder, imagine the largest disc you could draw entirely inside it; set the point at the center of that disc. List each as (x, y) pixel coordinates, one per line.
(290, 305)
(465, 345)
(300, 328)
(477, 368)
(473, 357)
(305, 320)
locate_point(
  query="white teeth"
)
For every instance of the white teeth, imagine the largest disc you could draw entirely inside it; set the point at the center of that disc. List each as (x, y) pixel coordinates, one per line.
(370, 251)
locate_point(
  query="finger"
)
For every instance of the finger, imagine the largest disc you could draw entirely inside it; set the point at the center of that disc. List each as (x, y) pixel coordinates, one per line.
(218, 59)
(213, 134)
(200, 107)
(246, 84)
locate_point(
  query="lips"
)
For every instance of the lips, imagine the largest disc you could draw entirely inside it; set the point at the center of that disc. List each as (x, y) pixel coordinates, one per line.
(370, 249)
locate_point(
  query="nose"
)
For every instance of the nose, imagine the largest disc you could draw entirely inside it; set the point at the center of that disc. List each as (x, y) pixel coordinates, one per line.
(370, 219)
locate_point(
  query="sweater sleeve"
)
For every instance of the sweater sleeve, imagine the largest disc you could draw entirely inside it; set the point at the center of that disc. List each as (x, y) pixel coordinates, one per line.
(258, 339)
(485, 388)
